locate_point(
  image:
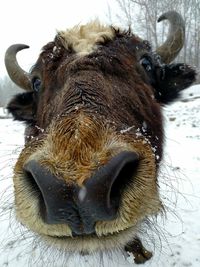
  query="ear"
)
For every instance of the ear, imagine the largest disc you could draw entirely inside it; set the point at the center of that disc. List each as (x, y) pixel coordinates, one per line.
(23, 107)
(171, 80)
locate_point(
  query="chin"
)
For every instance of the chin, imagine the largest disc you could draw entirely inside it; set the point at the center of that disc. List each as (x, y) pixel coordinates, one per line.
(91, 243)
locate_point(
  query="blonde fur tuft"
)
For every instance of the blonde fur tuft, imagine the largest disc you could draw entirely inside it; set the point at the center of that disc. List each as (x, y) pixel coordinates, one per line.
(83, 39)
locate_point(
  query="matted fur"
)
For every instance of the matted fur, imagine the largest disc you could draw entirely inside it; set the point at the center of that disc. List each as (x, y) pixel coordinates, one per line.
(83, 38)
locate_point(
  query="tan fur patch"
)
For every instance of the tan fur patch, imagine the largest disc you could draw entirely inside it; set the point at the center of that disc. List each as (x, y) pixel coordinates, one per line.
(83, 38)
(79, 152)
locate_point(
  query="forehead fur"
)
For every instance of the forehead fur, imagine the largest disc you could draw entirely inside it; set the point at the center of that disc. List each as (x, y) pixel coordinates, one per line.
(83, 38)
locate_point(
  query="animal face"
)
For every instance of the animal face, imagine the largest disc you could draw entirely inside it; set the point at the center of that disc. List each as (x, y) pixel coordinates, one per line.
(87, 176)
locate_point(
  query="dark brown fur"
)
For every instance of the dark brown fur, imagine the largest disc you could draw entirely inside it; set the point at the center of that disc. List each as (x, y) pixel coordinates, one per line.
(95, 82)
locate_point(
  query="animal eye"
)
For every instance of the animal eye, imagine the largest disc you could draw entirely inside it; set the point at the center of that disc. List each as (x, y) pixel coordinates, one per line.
(36, 84)
(146, 63)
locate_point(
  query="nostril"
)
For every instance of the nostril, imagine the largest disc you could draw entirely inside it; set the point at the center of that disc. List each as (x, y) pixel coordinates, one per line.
(35, 190)
(124, 178)
(53, 194)
(29, 179)
(105, 187)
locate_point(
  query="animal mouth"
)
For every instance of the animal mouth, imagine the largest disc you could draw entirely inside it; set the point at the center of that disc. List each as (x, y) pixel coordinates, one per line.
(91, 243)
(93, 235)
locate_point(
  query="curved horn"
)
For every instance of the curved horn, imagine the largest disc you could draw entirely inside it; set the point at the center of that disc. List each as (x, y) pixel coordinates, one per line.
(16, 73)
(176, 36)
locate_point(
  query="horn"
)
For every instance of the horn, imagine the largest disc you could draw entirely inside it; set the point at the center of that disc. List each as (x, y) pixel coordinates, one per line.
(15, 72)
(175, 39)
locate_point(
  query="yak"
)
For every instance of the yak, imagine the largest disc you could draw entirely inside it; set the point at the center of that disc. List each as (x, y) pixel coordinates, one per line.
(87, 177)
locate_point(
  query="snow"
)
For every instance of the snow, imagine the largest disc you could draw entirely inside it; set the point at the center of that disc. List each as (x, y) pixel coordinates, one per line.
(4, 114)
(175, 240)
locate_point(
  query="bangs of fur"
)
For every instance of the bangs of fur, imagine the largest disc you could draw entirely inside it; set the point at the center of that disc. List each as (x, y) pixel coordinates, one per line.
(83, 39)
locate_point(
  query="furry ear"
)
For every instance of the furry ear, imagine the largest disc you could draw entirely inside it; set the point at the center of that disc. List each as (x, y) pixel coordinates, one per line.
(23, 107)
(171, 80)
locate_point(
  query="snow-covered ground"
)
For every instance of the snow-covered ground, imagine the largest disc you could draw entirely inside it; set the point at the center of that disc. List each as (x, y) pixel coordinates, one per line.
(176, 238)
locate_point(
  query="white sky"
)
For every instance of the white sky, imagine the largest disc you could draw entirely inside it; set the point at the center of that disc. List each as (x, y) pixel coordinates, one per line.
(35, 22)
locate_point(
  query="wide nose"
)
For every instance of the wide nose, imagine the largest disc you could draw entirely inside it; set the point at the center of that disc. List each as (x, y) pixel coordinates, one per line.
(81, 207)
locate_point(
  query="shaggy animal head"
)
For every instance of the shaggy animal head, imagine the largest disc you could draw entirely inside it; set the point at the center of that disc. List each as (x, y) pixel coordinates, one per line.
(87, 176)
